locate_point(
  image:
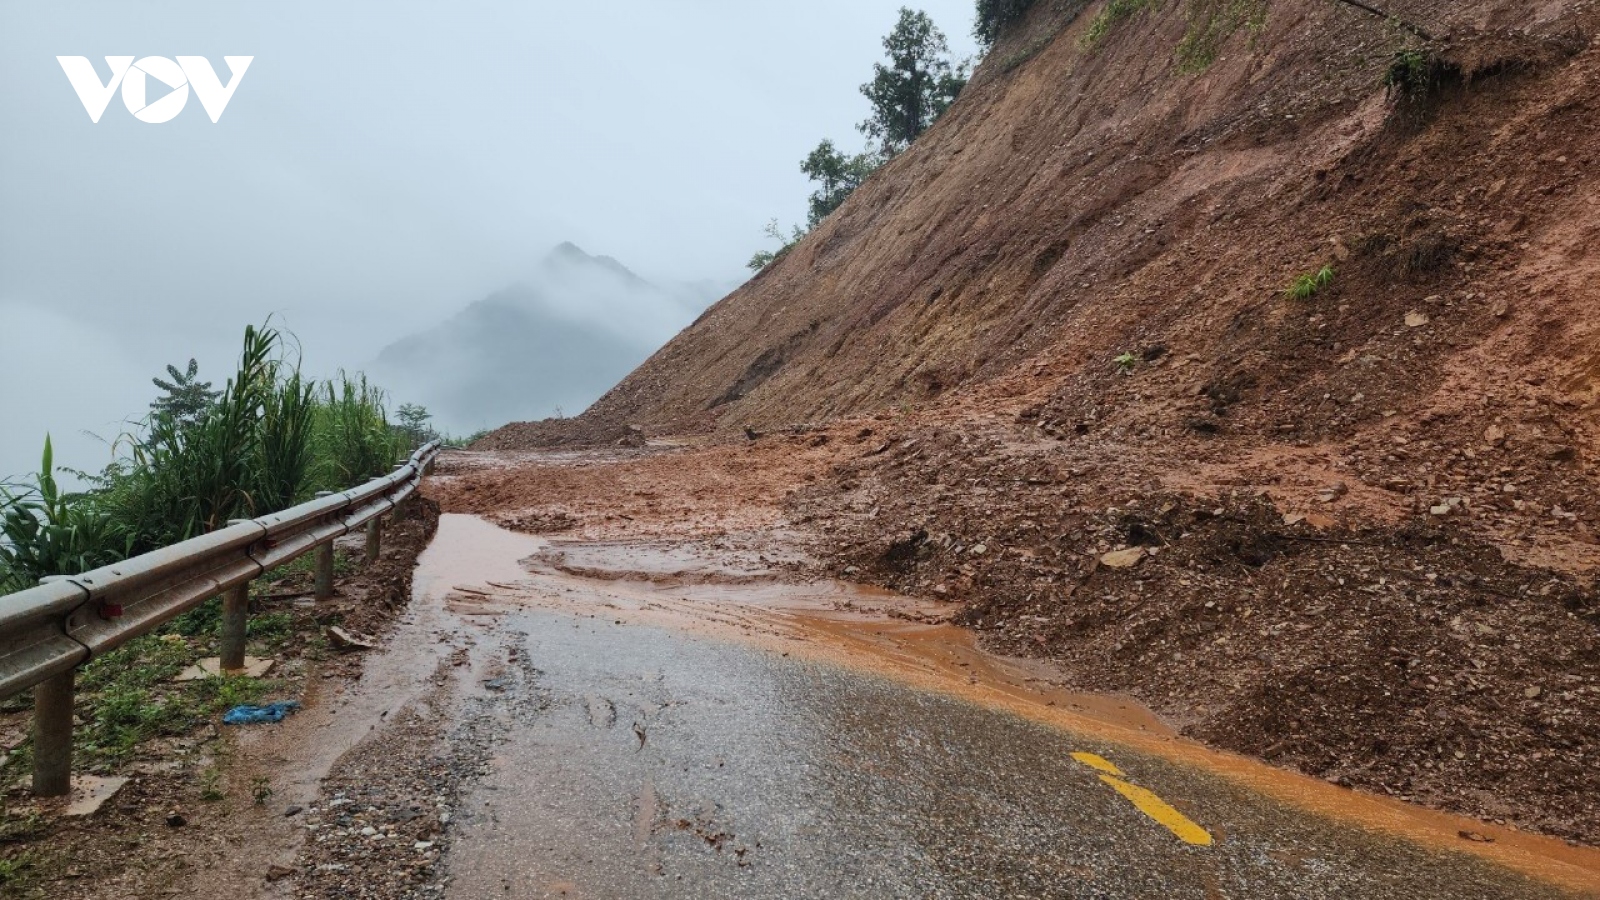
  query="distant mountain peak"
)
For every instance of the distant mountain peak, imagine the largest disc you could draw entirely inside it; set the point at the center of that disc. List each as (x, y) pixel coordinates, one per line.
(567, 256)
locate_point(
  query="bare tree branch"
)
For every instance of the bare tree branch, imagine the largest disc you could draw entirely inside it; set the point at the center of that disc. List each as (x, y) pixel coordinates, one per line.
(1373, 10)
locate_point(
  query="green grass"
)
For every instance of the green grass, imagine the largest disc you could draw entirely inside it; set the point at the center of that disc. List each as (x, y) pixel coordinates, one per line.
(15, 871)
(1306, 286)
(128, 697)
(351, 437)
(1413, 74)
(202, 621)
(272, 630)
(995, 16)
(211, 785)
(1211, 24)
(459, 443)
(21, 824)
(1113, 13)
(1016, 59)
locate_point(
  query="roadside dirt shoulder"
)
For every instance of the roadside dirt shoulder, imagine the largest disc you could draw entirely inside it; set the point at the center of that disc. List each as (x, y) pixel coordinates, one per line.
(217, 810)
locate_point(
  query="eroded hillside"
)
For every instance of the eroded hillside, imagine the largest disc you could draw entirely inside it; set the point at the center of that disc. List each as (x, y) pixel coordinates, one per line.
(1053, 353)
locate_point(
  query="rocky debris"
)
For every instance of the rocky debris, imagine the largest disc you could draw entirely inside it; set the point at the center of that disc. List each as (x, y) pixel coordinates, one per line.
(1411, 659)
(383, 827)
(1123, 559)
(344, 640)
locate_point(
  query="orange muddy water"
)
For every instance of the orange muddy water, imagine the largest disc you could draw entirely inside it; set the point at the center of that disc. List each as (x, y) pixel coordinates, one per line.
(707, 726)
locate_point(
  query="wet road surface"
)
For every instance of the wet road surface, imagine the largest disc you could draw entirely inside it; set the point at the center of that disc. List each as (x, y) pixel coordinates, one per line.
(648, 752)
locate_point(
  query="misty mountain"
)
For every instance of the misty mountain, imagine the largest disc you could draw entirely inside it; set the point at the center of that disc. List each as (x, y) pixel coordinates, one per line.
(554, 342)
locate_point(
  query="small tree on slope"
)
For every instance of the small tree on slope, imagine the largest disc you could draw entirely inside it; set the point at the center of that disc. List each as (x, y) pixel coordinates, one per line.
(915, 88)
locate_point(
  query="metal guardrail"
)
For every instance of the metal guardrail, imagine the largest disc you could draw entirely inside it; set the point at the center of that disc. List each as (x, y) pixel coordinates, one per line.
(47, 632)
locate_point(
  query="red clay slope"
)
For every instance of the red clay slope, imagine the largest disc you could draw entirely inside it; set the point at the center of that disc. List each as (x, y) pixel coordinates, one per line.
(1092, 200)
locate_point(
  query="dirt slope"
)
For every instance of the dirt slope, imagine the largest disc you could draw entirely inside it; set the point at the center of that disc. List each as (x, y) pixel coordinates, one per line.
(1384, 492)
(1093, 200)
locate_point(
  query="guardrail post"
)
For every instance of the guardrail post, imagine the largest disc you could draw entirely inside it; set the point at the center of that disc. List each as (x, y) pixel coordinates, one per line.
(374, 532)
(52, 736)
(399, 513)
(324, 578)
(235, 620)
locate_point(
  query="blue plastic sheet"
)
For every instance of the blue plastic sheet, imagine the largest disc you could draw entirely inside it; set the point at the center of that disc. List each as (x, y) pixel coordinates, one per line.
(257, 715)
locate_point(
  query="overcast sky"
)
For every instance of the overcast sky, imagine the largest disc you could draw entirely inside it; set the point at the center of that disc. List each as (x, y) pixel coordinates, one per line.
(383, 165)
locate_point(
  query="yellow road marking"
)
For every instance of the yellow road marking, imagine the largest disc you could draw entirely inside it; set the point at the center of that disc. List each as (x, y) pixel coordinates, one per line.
(1099, 763)
(1158, 809)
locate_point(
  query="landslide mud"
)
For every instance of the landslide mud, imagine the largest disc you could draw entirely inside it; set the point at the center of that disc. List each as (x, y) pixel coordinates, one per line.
(692, 588)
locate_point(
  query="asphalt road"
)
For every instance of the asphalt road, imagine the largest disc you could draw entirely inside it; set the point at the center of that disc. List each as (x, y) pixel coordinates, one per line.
(647, 761)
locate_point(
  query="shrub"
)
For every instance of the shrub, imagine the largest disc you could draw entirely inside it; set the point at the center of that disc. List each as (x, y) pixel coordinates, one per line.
(45, 532)
(995, 16)
(1414, 74)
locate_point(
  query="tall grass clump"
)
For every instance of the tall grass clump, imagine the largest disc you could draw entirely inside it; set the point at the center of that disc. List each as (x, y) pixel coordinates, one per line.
(285, 452)
(45, 531)
(352, 438)
(186, 477)
(268, 440)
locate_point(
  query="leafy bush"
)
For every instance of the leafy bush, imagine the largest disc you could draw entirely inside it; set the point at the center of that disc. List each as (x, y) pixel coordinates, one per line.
(1415, 74)
(43, 532)
(460, 443)
(415, 423)
(995, 16)
(837, 176)
(764, 258)
(184, 478)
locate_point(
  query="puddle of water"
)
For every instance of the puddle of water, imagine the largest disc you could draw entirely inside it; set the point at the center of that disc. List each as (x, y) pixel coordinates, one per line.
(469, 551)
(475, 565)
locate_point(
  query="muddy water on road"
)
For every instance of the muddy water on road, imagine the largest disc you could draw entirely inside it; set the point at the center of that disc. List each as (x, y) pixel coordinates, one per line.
(705, 728)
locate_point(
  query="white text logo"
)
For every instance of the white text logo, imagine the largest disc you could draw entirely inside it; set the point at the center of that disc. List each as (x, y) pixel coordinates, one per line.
(134, 78)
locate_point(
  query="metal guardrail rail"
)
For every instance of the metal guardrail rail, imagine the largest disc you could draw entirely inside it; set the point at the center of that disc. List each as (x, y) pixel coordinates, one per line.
(47, 632)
